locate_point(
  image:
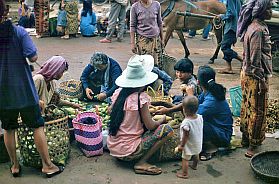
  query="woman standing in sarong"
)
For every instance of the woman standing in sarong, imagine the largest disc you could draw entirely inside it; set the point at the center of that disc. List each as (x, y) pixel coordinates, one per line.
(71, 7)
(41, 8)
(256, 70)
(146, 29)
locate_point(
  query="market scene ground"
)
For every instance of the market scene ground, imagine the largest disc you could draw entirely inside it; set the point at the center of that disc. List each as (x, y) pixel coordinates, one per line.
(225, 167)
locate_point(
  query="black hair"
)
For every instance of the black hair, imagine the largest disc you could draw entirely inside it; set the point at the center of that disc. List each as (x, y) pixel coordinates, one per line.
(117, 113)
(87, 7)
(190, 104)
(184, 65)
(206, 77)
(60, 6)
(6, 29)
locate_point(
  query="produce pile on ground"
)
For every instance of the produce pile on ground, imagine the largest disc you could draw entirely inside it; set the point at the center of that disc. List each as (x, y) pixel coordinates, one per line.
(272, 116)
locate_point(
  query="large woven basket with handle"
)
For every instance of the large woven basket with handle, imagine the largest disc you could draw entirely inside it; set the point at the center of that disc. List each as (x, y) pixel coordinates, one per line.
(57, 135)
(70, 89)
(168, 63)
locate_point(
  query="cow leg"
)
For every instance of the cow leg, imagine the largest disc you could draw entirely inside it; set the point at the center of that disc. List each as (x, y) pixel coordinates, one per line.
(167, 36)
(219, 36)
(183, 42)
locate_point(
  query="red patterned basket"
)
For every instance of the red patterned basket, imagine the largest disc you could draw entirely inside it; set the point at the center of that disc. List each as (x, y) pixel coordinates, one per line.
(89, 136)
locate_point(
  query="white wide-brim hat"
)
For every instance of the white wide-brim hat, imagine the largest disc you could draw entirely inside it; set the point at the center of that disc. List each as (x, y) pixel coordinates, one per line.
(138, 72)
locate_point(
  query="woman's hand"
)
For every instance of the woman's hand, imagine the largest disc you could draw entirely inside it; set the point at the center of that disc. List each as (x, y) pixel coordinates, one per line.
(89, 93)
(162, 110)
(190, 90)
(76, 106)
(42, 106)
(102, 96)
(134, 48)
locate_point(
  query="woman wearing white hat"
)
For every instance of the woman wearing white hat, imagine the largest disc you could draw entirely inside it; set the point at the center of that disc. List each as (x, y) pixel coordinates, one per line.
(130, 114)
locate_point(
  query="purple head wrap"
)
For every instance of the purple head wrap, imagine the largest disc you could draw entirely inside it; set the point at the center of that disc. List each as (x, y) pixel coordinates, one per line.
(53, 67)
(252, 9)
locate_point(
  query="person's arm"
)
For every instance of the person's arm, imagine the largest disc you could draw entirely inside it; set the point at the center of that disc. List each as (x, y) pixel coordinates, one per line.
(133, 27)
(160, 23)
(149, 123)
(165, 110)
(66, 103)
(185, 138)
(230, 10)
(28, 48)
(115, 73)
(85, 74)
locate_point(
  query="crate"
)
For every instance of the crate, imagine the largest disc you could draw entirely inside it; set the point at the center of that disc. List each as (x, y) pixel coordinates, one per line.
(236, 98)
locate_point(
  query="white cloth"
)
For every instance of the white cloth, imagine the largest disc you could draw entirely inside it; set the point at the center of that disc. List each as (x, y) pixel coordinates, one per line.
(193, 145)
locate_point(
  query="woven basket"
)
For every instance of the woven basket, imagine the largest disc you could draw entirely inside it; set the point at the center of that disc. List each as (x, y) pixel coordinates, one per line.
(265, 165)
(89, 136)
(70, 89)
(158, 96)
(57, 135)
(168, 63)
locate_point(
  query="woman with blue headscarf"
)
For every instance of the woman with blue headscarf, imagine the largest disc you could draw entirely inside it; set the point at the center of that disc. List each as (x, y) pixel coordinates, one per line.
(256, 70)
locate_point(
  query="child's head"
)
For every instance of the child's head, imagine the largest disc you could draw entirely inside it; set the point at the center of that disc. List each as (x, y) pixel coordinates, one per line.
(184, 69)
(190, 105)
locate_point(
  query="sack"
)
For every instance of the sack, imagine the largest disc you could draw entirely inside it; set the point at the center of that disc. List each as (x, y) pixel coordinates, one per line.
(89, 136)
(158, 96)
(168, 63)
(57, 135)
(70, 89)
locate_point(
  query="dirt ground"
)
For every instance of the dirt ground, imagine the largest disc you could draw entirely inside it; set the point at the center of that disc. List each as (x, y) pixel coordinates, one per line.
(230, 168)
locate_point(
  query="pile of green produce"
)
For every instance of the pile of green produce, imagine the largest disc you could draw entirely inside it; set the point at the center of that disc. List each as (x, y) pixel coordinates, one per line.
(102, 111)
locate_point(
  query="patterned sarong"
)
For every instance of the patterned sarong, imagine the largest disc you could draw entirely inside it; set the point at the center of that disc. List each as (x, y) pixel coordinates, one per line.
(253, 111)
(42, 8)
(150, 46)
(148, 140)
(72, 17)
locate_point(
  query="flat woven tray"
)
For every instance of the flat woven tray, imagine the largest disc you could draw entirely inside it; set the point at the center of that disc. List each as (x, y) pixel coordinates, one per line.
(266, 165)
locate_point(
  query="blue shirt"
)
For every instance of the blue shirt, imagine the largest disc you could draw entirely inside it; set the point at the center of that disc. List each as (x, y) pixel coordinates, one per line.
(88, 24)
(17, 89)
(90, 74)
(217, 115)
(231, 15)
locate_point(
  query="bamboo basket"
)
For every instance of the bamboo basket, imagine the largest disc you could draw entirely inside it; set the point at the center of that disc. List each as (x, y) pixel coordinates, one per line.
(70, 89)
(57, 135)
(158, 96)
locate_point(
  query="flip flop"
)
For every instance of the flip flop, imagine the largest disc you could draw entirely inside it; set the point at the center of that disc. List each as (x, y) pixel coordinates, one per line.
(249, 155)
(180, 175)
(150, 170)
(205, 156)
(225, 72)
(16, 174)
(50, 175)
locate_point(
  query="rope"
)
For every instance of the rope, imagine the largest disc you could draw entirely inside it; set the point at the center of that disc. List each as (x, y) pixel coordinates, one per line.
(198, 8)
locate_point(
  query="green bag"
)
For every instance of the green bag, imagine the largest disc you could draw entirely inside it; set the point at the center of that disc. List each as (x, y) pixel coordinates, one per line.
(52, 26)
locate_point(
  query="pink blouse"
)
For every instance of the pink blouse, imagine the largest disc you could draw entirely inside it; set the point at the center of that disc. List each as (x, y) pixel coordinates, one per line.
(130, 131)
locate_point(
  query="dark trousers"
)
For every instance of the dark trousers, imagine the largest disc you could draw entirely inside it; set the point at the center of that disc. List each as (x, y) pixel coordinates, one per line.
(228, 40)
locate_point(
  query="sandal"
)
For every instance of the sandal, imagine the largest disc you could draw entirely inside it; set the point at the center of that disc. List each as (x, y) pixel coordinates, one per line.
(249, 155)
(65, 37)
(50, 175)
(205, 156)
(16, 174)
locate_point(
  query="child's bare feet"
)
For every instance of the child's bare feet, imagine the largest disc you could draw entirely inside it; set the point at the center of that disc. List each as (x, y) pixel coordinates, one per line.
(182, 175)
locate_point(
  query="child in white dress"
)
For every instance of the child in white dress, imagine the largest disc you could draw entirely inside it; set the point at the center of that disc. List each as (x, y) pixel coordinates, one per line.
(191, 131)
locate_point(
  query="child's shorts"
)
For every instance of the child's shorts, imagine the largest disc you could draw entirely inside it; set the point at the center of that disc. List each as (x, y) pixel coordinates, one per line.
(185, 156)
(31, 116)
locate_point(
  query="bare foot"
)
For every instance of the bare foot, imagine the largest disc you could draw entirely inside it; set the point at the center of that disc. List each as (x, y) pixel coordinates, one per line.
(182, 175)
(147, 169)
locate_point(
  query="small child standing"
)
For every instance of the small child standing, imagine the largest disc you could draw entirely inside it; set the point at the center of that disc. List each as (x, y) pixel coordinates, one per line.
(191, 131)
(61, 20)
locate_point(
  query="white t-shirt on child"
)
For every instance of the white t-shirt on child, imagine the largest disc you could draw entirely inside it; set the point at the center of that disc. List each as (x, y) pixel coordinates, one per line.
(193, 145)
